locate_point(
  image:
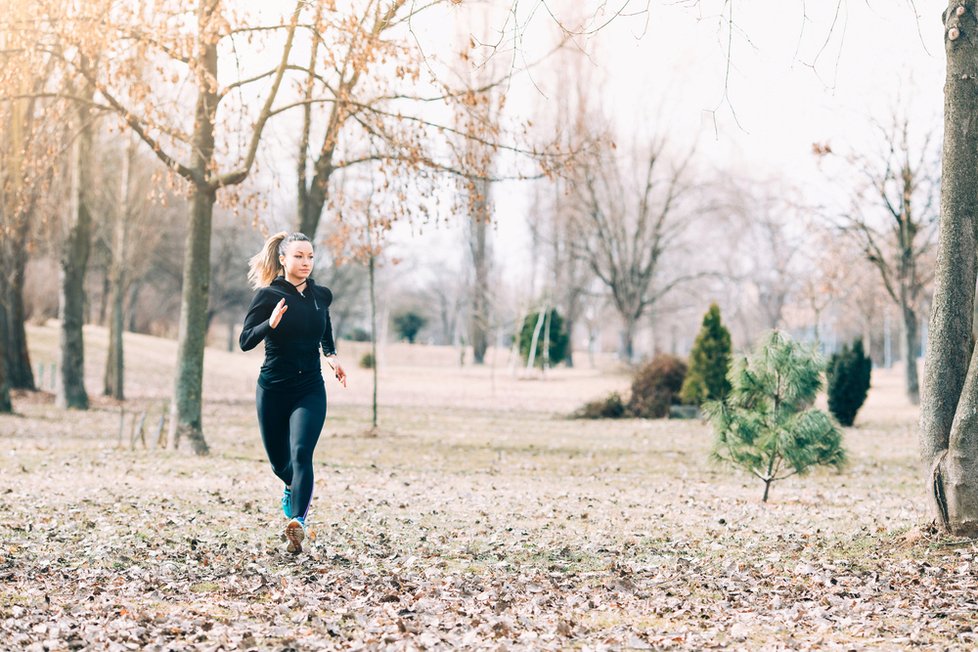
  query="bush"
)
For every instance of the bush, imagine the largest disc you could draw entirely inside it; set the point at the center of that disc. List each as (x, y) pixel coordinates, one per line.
(709, 362)
(407, 324)
(766, 425)
(358, 335)
(656, 386)
(558, 338)
(848, 378)
(367, 361)
(610, 407)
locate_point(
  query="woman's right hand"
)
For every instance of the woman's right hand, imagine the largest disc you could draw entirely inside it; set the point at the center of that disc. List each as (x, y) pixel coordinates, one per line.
(277, 313)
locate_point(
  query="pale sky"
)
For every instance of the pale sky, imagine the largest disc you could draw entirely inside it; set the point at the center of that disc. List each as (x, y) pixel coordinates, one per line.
(664, 72)
(788, 87)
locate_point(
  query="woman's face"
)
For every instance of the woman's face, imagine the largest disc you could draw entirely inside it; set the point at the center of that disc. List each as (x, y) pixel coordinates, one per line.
(297, 260)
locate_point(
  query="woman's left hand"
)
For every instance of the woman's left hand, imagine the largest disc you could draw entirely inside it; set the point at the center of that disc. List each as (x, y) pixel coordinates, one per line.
(338, 371)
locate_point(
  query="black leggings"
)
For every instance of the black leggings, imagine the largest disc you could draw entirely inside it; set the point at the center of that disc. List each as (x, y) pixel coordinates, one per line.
(290, 424)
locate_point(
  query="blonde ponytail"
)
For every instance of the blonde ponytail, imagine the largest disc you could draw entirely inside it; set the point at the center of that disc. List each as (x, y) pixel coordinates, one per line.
(264, 266)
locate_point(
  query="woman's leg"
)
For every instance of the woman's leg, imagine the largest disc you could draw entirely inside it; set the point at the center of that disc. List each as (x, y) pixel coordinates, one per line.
(274, 411)
(306, 424)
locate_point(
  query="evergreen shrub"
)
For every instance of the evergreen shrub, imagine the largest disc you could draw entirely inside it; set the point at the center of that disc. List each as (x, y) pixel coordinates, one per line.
(766, 424)
(709, 362)
(848, 375)
(558, 338)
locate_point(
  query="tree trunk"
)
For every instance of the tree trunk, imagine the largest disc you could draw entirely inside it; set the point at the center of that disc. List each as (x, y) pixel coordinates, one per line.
(373, 339)
(314, 201)
(5, 406)
(478, 245)
(13, 255)
(627, 351)
(70, 390)
(134, 289)
(910, 343)
(948, 444)
(15, 354)
(114, 363)
(185, 410)
(569, 356)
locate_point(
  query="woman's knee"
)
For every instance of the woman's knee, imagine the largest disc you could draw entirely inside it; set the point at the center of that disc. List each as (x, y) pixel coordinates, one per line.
(282, 470)
(302, 455)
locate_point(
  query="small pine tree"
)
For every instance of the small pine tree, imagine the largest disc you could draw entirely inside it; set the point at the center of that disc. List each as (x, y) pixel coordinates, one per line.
(766, 425)
(848, 382)
(709, 362)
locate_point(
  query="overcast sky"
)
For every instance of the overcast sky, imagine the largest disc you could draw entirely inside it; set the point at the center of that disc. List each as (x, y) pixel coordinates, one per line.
(793, 80)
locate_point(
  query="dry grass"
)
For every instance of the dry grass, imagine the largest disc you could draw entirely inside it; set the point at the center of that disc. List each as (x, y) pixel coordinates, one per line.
(479, 517)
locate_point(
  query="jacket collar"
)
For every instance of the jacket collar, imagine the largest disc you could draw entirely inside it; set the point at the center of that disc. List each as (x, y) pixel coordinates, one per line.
(279, 281)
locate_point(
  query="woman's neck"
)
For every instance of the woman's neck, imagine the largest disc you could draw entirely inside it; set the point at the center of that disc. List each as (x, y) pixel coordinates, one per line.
(295, 281)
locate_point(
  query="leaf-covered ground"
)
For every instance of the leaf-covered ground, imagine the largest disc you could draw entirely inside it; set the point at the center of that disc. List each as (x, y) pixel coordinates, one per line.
(493, 527)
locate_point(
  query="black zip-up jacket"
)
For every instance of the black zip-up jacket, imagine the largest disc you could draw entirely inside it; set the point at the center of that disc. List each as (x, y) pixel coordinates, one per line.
(292, 347)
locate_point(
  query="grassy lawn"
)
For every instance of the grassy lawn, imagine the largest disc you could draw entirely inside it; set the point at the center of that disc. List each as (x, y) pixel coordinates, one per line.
(478, 517)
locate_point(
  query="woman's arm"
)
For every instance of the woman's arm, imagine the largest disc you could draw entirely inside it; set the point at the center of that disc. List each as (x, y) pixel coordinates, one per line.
(256, 325)
(326, 342)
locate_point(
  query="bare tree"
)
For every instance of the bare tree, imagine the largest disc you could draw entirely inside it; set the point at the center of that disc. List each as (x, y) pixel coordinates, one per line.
(29, 134)
(767, 220)
(626, 230)
(136, 95)
(114, 379)
(894, 218)
(76, 245)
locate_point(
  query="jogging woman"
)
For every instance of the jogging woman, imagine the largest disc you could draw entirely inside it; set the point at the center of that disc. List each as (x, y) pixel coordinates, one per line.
(291, 314)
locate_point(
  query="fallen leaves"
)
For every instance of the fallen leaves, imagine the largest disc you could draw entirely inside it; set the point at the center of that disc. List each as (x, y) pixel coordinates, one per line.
(585, 537)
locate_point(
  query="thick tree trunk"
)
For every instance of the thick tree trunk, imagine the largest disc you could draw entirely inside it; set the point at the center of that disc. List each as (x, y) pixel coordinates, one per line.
(15, 216)
(949, 418)
(70, 390)
(479, 248)
(185, 411)
(910, 346)
(15, 353)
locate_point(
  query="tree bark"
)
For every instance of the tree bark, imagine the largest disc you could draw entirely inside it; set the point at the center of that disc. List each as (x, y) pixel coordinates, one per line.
(15, 354)
(70, 390)
(185, 410)
(479, 248)
(627, 351)
(13, 250)
(114, 363)
(5, 405)
(949, 418)
(569, 356)
(910, 344)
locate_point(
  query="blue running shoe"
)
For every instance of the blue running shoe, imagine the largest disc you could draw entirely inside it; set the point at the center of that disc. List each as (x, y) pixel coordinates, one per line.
(287, 502)
(295, 532)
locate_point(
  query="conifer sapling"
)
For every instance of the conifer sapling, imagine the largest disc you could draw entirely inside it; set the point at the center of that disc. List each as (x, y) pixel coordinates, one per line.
(766, 425)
